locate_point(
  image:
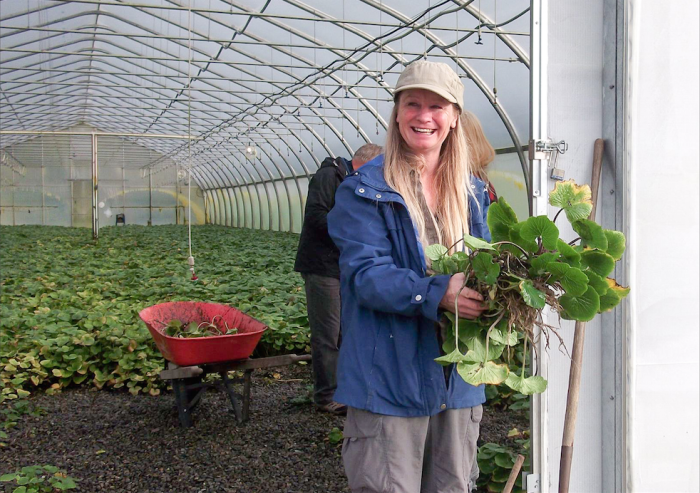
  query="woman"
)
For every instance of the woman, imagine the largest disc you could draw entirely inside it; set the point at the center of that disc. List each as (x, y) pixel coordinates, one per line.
(481, 152)
(412, 425)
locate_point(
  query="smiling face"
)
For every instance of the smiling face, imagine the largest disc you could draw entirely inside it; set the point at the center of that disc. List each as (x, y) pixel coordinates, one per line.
(425, 120)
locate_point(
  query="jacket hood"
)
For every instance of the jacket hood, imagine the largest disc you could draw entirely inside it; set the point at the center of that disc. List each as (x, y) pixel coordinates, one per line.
(341, 164)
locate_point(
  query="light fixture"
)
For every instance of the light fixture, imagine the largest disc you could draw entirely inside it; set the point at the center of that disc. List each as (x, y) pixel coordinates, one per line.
(251, 151)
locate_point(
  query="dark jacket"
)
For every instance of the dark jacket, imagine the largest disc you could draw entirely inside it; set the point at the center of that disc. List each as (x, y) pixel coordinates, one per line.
(389, 305)
(317, 254)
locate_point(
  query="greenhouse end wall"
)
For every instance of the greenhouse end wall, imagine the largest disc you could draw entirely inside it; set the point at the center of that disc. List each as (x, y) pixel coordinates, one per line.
(47, 179)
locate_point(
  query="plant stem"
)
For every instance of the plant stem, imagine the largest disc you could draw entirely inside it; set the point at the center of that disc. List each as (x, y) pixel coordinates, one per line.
(464, 285)
(557, 215)
(514, 244)
(488, 333)
(522, 372)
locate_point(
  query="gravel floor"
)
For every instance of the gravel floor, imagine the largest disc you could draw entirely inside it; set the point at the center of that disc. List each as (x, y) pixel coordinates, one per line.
(114, 442)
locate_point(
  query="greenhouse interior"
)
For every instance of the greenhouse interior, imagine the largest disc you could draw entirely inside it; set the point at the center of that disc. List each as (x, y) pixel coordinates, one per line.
(158, 158)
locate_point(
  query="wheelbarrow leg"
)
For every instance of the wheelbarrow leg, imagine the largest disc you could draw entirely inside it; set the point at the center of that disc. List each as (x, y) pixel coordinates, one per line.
(246, 394)
(232, 396)
(182, 402)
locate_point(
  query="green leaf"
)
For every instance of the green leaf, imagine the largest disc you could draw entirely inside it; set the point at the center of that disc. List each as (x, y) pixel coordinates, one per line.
(621, 291)
(489, 373)
(477, 349)
(608, 301)
(449, 265)
(597, 282)
(461, 259)
(500, 219)
(539, 263)
(505, 461)
(515, 237)
(533, 297)
(574, 199)
(8, 477)
(477, 243)
(582, 308)
(501, 335)
(438, 266)
(569, 255)
(541, 227)
(599, 262)
(467, 328)
(435, 252)
(485, 269)
(616, 243)
(573, 280)
(21, 489)
(453, 357)
(591, 234)
(68, 483)
(526, 386)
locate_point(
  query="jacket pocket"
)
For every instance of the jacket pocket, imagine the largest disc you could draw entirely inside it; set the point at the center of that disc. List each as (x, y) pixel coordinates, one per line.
(364, 454)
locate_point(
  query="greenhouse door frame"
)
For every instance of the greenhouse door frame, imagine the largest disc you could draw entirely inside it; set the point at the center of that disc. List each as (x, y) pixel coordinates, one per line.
(614, 454)
(539, 436)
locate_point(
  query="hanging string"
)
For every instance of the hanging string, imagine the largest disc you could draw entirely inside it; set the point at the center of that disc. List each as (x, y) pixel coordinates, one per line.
(478, 41)
(495, 39)
(379, 62)
(457, 43)
(425, 34)
(190, 259)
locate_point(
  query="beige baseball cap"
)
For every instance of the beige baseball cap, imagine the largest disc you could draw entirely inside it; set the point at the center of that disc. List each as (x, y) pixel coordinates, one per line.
(433, 76)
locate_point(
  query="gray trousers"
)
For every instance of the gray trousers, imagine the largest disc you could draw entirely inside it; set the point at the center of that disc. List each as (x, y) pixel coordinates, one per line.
(391, 454)
(323, 308)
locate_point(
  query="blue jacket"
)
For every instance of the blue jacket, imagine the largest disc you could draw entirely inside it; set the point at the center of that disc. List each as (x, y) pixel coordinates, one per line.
(389, 306)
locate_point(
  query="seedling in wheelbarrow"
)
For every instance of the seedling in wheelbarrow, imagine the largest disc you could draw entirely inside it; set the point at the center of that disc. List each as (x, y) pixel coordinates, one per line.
(178, 328)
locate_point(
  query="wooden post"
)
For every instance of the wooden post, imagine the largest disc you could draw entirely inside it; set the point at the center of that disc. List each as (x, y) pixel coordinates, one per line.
(567, 444)
(514, 474)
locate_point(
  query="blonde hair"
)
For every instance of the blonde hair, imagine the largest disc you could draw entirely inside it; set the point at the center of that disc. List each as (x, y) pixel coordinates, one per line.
(480, 150)
(402, 170)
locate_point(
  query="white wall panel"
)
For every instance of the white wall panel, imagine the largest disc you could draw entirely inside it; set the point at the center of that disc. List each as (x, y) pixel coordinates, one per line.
(662, 173)
(574, 99)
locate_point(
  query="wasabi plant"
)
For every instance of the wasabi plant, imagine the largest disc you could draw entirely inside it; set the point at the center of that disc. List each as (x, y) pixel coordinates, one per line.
(525, 268)
(39, 479)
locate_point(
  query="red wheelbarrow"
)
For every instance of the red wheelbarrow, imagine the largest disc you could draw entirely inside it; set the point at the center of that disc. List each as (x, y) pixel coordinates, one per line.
(190, 359)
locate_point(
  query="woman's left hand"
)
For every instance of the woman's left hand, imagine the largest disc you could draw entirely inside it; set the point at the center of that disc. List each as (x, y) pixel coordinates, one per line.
(470, 302)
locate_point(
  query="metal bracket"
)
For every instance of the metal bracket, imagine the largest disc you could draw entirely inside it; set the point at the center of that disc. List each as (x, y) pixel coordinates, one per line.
(543, 149)
(533, 483)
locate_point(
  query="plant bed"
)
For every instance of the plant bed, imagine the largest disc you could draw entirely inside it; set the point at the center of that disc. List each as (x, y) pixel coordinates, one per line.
(111, 441)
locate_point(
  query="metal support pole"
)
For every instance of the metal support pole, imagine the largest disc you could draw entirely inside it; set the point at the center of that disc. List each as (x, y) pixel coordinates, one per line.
(150, 193)
(43, 189)
(95, 215)
(539, 422)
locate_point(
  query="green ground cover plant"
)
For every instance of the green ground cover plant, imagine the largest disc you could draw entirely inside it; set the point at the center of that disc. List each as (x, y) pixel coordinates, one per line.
(69, 306)
(39, 479)
(497, 460)
(12, 411)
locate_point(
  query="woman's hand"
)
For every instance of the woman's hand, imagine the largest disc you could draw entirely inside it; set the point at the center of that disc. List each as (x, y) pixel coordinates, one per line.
(469, 301)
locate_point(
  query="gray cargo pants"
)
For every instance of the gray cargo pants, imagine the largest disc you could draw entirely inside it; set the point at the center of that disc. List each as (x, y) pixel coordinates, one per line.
(323, 308)
(391, 454)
